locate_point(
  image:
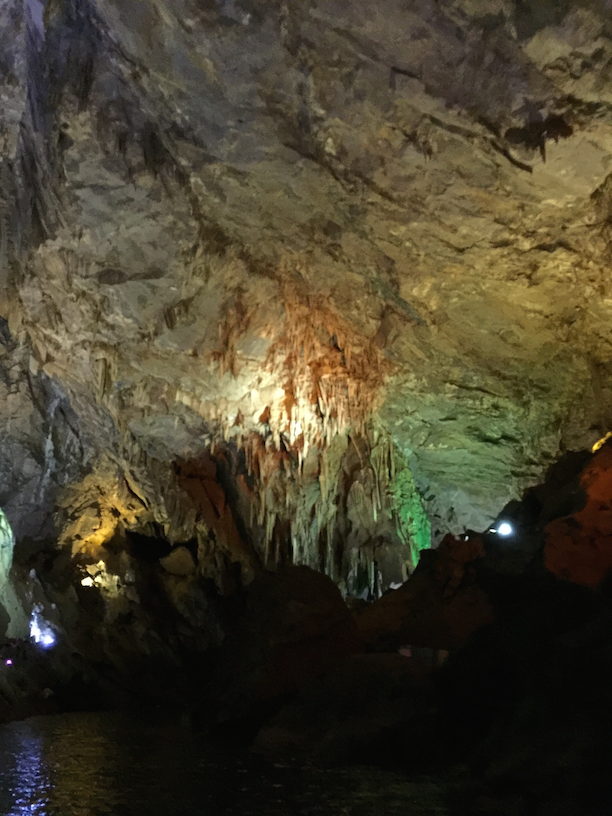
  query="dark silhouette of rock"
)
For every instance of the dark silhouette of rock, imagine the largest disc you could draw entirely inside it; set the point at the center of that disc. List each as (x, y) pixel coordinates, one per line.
(579, 545)
(439, 607)
(526, 704)
(294, 627)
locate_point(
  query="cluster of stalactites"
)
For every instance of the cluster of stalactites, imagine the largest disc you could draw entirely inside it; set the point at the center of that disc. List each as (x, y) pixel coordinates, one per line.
(331, 378)
(320, 379)
(341, 504)
(345, 509)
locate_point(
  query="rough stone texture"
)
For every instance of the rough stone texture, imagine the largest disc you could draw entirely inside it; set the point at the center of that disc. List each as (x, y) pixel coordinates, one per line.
(42, 447)
(179, 562)
(317, 209)
(293, 229)
(7, 543)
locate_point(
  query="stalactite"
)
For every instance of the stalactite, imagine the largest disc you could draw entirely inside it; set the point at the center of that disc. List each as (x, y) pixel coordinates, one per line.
(270, 522)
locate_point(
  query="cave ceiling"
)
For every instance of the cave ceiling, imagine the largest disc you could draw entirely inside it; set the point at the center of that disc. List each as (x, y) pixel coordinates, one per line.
(294, 220)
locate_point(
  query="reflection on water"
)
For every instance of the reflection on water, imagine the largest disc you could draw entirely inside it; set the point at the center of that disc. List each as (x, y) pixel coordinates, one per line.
(24, 780)
(117, 765)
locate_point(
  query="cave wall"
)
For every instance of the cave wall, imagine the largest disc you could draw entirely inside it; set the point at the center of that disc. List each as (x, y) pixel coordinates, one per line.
(289, 228)
(42, 445)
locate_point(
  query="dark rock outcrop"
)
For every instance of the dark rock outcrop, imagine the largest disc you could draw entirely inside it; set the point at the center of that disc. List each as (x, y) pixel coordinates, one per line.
(294, 627)
(521, 706)
(439, 607)
(525, 703)
(579, 545)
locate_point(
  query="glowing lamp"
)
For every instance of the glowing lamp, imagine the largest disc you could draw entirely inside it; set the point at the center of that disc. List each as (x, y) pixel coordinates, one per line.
(505, 529)
(8, 662)
(40, 631)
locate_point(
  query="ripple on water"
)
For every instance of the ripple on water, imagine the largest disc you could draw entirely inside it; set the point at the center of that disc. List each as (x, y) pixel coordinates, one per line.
(119, 765)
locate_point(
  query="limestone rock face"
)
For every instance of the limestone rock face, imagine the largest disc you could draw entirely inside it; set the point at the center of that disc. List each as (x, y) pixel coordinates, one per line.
(42, 445)
(7, 542)
(179, 562)
(275, 222)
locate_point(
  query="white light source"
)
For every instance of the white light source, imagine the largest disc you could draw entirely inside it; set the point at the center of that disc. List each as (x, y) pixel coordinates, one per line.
(505, 529)
(40, 631)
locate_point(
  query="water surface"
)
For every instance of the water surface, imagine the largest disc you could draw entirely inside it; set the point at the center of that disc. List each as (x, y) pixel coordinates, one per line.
(101, 764)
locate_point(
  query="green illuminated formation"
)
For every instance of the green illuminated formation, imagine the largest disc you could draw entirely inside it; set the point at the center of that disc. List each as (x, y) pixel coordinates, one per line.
(6, 548)
(412, 522)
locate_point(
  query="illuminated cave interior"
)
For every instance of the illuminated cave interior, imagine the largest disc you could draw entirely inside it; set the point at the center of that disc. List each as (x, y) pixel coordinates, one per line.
(305, 386)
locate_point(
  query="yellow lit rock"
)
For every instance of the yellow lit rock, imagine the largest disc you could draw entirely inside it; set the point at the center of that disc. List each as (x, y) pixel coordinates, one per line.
(179, 562)
(601, 442)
